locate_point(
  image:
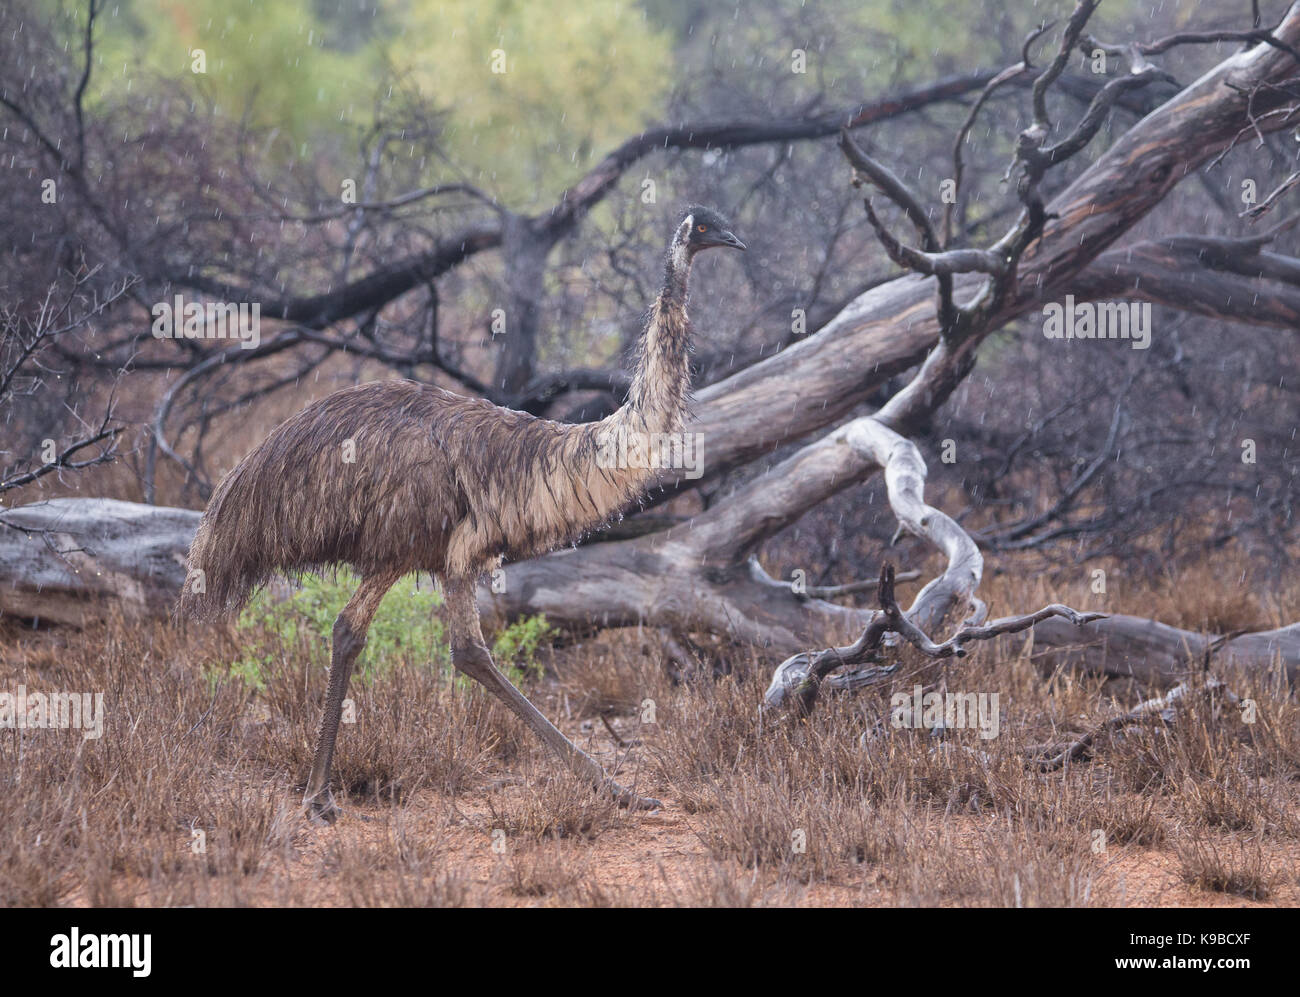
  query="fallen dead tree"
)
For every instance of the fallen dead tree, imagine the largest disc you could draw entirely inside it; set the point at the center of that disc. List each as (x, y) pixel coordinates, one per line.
(69, 560)
(702, 576)
(1161, 652)
(1156, 654)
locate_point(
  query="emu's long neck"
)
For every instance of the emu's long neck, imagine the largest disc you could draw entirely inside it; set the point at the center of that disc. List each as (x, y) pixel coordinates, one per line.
(593, 471)
(661, 382)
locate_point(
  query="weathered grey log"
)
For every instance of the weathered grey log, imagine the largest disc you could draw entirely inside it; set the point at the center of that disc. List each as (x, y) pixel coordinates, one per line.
(69, 560)
(1157, 654)
(72, 560)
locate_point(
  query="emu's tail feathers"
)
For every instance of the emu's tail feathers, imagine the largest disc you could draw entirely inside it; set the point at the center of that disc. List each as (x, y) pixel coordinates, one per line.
(227, 559)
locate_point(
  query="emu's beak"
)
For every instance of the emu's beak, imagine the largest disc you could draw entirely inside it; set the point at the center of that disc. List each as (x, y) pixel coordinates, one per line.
(728, 239)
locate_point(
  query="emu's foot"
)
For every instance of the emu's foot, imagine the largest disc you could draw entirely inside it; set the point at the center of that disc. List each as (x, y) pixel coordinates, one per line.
(321, 809)
(627, 798)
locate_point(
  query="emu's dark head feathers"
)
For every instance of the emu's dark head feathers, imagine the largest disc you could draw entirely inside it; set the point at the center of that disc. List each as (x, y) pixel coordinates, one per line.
(709, 229)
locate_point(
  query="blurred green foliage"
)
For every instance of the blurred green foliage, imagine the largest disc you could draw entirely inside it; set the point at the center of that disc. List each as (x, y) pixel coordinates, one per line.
(579, 75)
(405, 630)
(575, 79)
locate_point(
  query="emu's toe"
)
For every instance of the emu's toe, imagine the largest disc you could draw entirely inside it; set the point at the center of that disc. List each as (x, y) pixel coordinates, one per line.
(627, 798)
(321, 809)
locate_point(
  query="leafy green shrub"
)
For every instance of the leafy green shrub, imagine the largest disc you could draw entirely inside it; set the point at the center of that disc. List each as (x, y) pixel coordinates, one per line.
(515, 648)
(405, 627)
(405, 630)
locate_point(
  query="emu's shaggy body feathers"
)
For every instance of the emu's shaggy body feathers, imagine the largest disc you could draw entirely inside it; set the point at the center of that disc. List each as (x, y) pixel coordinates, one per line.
(400, 476)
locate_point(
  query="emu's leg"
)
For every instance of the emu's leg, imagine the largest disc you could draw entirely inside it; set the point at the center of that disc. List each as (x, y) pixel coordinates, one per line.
(470, 655)
(349, 638)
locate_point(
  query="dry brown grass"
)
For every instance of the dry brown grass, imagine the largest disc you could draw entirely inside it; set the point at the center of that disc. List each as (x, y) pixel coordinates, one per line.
(1237, 867)
(448, 802)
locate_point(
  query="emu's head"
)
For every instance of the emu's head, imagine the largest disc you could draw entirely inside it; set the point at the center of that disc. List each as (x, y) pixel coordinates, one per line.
(704, 228)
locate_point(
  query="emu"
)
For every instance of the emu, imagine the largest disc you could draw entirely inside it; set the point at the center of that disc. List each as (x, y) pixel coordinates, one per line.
(394, 477)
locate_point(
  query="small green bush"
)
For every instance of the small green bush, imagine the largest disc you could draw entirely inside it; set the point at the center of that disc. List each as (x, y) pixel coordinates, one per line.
(406, 629)
(515, 648)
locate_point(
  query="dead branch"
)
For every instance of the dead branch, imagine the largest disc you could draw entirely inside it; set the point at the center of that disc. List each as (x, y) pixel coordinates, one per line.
(1162, 711)
(798, 680)
(1263, 207)
(852, 588)
(65, 459)
(1004, 77)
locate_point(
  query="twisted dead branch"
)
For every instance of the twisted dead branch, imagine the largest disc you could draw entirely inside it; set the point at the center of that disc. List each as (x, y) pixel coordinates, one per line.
(798, 680)
(1160, 711)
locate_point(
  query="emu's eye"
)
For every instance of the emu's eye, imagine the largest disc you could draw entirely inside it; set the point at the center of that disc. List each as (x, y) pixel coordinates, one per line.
(701, 228)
